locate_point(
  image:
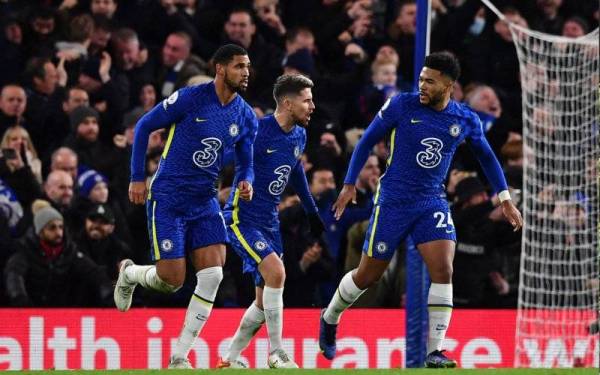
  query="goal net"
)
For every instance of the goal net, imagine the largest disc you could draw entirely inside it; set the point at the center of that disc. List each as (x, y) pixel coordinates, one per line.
(558, 293)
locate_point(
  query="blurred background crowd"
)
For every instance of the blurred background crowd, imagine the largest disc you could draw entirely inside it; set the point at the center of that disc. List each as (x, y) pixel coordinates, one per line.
(76, 75)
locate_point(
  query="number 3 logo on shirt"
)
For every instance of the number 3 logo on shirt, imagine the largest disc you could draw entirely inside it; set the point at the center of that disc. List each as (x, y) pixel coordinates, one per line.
(278, 186)
(431, 157)
(205, 158)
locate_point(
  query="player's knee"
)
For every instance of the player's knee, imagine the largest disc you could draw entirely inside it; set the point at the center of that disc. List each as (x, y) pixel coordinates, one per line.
(365, 280)
(275, 277)
(441, 273)
(210, 277)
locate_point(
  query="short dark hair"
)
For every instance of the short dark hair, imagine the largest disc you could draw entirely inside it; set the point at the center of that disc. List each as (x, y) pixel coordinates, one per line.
(35, 68)
(445, 62)
(290, 84)
(225, 53)
(292, 34)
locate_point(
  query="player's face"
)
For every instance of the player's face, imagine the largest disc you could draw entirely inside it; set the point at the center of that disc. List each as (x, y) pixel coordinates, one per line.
(434, 87)
(236, 73)
(301, 106)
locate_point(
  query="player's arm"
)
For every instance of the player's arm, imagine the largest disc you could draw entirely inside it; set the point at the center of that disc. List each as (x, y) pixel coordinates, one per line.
(167, 112)
(379, 127)
(244, 157)
(300, 184)
(493, 171)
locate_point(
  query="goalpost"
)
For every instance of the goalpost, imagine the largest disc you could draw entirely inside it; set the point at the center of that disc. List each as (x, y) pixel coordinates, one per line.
(558, 289)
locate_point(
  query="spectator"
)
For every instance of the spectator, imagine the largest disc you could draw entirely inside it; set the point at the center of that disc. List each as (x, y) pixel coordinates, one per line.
(549, 19)
(575, 27)
(402, 36)
(91, 152)
(178, 64)
(65, 159)
(47, 268)
(11, 42)
(93, 190)
(44, 96)
(307, 261)
(13, 102)
(133, 60)
(41, 34)
(17, 138)
(241, 29)
(57, 126)
(381, 88)
(98, 240)
(58, 190)
(492, 59)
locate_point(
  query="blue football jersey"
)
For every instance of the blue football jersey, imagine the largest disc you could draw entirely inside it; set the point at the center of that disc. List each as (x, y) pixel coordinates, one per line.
(276, 160)
(201, 130)
(422, 144)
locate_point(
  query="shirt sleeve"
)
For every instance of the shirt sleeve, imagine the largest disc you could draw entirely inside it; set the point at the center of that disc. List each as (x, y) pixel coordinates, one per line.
(385, 120)
(483, 152)
(170, 111)
(300, 185)
(244, 149)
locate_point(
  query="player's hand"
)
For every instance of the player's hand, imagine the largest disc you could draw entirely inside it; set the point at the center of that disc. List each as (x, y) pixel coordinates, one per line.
(347, 194)
(138, 192)
(317, 227)
(246, 190)
(512, 214)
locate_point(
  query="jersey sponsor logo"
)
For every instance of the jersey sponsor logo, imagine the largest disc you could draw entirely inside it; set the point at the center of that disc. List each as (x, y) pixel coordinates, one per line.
(277, 186)
(198, 119)
(170, 100)
(415, 121)
(166, 245)
(381, 247)
(206, 157)
(431, 156)
(270, 151)
(234, 130)
(455, 130)
(260, 245)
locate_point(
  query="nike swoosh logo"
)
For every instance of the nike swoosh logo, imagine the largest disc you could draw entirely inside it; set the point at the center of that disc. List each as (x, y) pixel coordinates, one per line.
(415, 121)
(270, 151)
(198, 119)
(449, 231)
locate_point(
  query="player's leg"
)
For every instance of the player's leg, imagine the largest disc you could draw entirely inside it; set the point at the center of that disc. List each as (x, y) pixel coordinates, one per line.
(438, 256)
(434, 235)
(253, 319)
(167, 248)
(206, 235)
(273, 272)
(208, 261)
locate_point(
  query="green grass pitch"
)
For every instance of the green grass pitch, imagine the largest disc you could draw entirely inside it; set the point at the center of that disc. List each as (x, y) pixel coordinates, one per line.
(591, 371)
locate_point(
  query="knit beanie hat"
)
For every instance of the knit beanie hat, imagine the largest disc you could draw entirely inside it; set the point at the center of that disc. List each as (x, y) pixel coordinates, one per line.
(43, 216)
(87, 180)
(79, 114)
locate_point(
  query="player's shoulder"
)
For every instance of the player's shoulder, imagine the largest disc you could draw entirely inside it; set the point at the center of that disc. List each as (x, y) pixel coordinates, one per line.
(405, 99)
(463, 110)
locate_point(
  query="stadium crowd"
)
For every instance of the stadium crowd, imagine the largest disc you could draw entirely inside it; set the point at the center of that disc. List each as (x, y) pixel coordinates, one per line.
(76, 75)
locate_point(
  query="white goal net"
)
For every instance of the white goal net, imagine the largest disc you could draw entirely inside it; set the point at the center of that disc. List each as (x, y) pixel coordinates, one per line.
(558, 292)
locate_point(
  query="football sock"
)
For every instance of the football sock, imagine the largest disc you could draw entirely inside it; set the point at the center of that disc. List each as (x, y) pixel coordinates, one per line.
(273, 305)
(251, 322)
(147, 277)
(439, 304)
(199, 309)
(345, 295)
